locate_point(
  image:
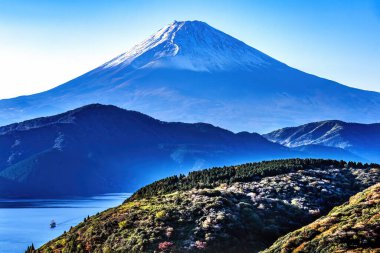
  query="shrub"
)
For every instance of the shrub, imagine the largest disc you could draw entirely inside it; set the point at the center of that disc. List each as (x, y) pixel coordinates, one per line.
(122, 224)
(160, 214)
(200, 244)
(164, 246)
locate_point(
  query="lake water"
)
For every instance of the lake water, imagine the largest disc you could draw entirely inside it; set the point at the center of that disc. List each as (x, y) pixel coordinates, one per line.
(23, 222)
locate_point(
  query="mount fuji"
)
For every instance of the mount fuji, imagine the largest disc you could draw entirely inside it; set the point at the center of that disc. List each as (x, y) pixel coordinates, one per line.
(190, 72)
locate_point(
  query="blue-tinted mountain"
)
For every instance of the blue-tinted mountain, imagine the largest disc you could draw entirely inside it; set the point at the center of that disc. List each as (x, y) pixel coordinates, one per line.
(191, 72)
(362, 140)
(98, 148)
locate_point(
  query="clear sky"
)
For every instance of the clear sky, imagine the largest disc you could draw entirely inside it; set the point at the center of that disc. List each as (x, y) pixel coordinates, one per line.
(44, 43)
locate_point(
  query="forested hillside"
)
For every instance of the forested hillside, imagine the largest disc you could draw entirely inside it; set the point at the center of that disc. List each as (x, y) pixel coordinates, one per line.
(352, 227)
(241, 208)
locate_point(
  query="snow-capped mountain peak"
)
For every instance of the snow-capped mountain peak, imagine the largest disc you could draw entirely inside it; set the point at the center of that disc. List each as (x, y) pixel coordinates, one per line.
(190, 72)
(192, 45)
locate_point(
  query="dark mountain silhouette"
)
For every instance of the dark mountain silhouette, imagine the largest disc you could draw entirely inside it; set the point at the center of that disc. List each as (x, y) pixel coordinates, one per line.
(98, 148)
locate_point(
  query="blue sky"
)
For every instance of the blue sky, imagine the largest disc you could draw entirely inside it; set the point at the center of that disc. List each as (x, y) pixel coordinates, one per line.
(45, 43)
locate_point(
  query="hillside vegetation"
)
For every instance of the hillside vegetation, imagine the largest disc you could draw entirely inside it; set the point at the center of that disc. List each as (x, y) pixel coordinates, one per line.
(351, 227)
(213, 177)
(232, 209)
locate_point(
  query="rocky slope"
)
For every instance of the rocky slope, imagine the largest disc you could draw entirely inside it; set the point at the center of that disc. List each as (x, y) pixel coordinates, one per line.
(231, 209)
(362, 140)
(351, 227)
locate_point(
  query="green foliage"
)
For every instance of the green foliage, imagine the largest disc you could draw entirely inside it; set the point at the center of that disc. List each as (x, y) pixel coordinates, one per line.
(213, 177)
(351, 227)
(229, 209)
(161, 214)
(30, 249)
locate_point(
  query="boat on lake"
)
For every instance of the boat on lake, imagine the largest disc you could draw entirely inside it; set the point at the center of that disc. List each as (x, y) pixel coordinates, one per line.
(53, 224)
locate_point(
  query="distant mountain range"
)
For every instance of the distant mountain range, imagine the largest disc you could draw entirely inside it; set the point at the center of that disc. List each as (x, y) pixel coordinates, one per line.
(362, 140)
(190, 72)
(98, 148)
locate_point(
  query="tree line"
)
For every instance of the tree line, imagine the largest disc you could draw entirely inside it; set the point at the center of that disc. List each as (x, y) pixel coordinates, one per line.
(213, 177)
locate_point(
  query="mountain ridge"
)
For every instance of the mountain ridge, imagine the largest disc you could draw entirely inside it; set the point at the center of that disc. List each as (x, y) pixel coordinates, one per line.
(100, 145)
(92, 149)
(359, 139)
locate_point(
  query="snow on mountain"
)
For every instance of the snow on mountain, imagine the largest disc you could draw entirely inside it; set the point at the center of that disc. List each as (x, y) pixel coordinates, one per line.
(192, 45)
(191, 72)
(312, 133)
(360, 139)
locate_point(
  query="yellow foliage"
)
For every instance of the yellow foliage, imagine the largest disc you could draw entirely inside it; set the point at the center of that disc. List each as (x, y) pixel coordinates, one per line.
(122, 224)
(160, 214)
(107, 249)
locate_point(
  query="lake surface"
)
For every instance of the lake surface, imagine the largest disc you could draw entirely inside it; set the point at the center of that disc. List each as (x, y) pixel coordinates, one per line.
(26, 221)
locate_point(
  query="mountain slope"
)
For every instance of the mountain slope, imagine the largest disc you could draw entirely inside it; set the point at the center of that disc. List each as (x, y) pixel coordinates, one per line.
(352, 227)
(360, 139)
(241, 208)
(98, 149)
(191, 72)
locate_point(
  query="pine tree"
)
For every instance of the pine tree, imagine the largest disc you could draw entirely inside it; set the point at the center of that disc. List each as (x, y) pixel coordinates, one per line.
(30, 249)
